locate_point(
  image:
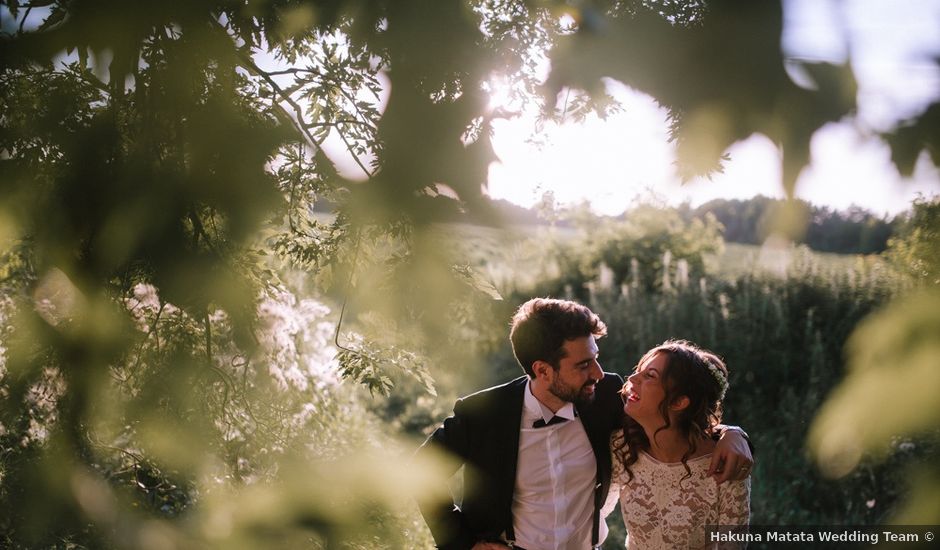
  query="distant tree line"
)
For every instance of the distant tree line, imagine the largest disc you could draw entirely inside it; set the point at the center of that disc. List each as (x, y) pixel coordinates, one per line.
(852, 231)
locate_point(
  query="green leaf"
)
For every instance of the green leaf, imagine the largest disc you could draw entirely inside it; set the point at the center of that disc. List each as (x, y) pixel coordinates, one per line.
(891, 354)
(56, 16)
(476, 281)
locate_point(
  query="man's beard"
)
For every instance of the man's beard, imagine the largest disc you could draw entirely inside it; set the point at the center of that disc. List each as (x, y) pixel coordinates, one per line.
(571, 395)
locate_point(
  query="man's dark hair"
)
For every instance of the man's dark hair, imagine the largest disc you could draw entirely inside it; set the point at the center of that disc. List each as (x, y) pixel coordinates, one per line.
(541, 326)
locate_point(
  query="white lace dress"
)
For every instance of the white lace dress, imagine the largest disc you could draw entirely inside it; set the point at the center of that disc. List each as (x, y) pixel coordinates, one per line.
(661, 510)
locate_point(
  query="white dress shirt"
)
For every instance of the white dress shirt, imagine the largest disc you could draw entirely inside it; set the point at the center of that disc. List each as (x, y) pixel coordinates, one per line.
(553, 500)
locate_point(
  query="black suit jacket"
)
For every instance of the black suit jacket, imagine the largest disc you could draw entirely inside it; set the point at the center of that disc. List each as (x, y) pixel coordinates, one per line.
(483, 434)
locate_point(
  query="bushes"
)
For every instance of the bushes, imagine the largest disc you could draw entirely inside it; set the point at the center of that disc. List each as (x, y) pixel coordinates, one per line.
(651, 248)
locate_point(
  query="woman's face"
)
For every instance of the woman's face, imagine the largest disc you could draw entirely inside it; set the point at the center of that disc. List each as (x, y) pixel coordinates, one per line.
(644, 392)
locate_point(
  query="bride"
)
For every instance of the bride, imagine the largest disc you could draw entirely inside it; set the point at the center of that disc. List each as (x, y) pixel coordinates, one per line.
(662, 453)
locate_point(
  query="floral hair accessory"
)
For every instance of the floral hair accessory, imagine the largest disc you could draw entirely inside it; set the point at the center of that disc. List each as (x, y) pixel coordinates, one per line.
(719, 377)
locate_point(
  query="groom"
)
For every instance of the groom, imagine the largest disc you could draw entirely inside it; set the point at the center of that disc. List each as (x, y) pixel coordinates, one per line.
(536, 449)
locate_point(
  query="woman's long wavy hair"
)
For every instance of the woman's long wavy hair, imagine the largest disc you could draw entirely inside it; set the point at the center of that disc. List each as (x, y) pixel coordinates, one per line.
(687, 374)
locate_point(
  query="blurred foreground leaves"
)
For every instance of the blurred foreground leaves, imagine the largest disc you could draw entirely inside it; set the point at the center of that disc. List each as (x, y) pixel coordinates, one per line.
(890, 392)
(889, 397)
(718, 68)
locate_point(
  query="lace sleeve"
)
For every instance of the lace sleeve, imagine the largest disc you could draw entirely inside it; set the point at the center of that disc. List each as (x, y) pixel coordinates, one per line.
(734, 502)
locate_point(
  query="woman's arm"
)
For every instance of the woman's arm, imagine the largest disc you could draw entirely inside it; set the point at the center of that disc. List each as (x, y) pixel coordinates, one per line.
(734, 510)
(734, 503)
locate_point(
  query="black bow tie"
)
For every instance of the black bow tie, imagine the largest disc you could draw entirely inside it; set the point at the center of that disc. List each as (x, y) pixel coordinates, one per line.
(540, 423)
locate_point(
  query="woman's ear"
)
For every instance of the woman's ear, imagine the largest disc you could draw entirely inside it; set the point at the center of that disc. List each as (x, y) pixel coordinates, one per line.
(680, 403)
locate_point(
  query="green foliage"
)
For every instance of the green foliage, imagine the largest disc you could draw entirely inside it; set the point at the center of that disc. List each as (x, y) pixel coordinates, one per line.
(174, 435)
(893, 354)
(365, 362)
(915, 251)
(887, 352)
(704, 69)
(650, 249)
(654, 238)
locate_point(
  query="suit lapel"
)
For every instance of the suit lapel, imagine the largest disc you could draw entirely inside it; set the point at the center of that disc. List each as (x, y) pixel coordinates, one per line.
(511, 418)
(596, 430)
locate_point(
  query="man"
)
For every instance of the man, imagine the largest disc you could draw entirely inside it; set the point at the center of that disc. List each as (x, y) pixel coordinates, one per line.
(536, 449)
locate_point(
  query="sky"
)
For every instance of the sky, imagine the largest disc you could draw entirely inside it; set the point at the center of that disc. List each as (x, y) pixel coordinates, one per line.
(891, 46)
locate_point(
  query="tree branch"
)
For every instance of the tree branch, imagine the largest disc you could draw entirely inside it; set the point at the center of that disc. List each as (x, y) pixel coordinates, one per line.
(297, 119)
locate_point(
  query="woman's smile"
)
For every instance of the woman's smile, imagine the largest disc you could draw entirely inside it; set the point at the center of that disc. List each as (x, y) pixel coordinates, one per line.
(630, 395)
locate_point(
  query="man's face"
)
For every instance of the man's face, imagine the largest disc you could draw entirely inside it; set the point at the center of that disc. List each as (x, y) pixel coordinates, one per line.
(578, 372)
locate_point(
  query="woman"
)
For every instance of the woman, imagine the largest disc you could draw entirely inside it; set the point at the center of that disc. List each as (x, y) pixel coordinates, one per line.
(661, 456)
